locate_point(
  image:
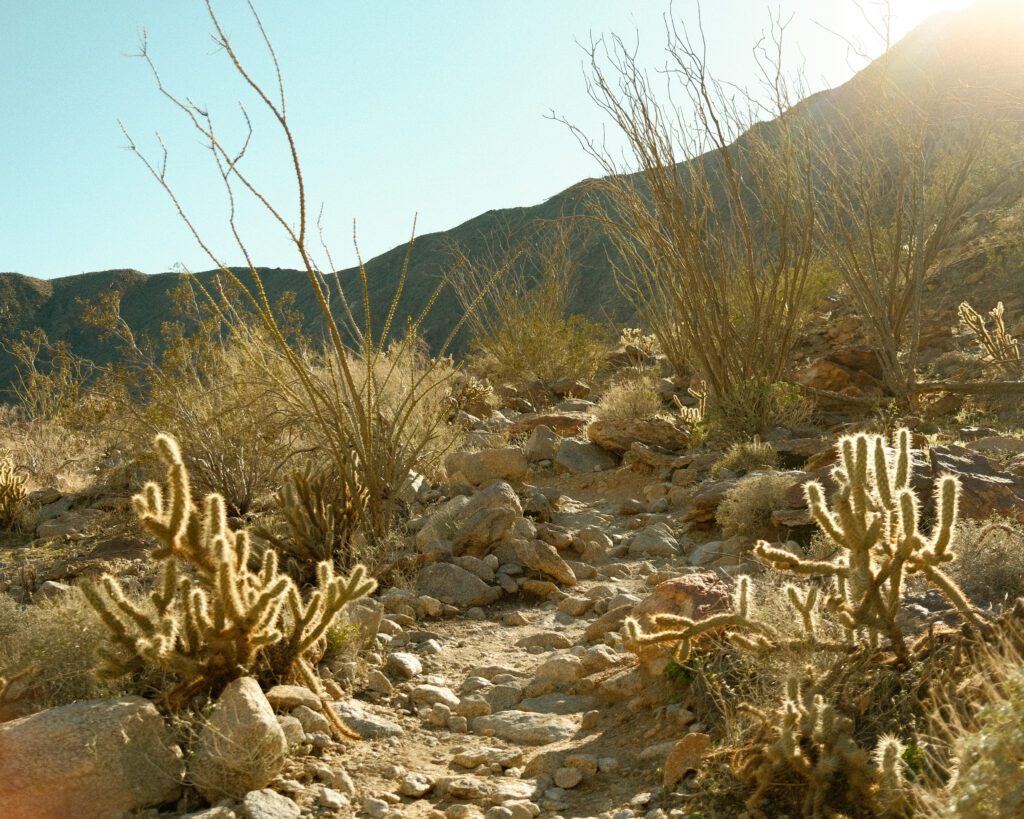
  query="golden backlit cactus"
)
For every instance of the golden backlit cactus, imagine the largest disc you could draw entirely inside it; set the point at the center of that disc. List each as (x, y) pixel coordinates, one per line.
(237, 615)
(12, 492)
(997, 345)
(874, 523)
(808, 740)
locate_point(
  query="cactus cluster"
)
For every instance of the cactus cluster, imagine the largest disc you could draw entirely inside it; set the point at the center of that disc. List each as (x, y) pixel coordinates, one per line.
(12, 492)
(231, 615)
(874, 524)
(997, 345)
(694, 415)
(321, 513)
(807, 738)
(850, 609)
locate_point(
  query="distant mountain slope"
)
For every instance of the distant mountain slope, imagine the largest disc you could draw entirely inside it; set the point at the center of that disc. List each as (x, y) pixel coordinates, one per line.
(977, 51)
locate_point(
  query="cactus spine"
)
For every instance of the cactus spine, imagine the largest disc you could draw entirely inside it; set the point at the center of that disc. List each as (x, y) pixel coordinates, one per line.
(238, 615)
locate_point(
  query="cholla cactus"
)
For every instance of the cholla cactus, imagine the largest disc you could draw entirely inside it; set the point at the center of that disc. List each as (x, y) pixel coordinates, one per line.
(997, 345)
(808, 739)
(694, 415)
(12, 492)
(874, 525)
(238, 615)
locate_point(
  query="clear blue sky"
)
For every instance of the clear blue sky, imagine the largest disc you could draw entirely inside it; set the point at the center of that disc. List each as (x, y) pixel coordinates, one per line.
(435, 107)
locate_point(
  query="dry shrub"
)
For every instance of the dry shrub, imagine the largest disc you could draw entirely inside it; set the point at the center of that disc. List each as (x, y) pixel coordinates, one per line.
(980, 723)
(989, 562)
(631, 397)
(522, 329)
(746, 456)
(747, 507)
(55, 641)
(757, 406)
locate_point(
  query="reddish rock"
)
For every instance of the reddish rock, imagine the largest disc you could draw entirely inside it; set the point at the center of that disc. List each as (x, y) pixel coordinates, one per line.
(564, 423)
(620, 434)
(691, 595)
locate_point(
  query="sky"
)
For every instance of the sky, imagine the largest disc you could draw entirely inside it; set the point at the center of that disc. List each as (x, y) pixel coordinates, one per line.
(434, 110)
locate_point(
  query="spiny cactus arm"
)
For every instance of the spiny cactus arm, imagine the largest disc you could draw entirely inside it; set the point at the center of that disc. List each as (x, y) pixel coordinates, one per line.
(165, 593)
(125, 621)
(337, 592)
(804, 605)
(947, 497)
(814, 492)
(785, 561)
(953, 593)
(882, 475)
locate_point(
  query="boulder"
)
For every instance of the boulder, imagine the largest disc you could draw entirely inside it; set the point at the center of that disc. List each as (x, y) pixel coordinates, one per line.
(287, 697)
(619, 435)
(504, 464)
(542, 445)
(525, 727)
(90, 760)
(985, 489)
(563, 423)
(454, 585)
(241, 747)
(693, 596)
(704, 502)
(543, 558)
(364, 722)
(576, 458)
(656, 540)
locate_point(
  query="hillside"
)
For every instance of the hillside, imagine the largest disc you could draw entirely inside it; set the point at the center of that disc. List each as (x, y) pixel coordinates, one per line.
(973, 54)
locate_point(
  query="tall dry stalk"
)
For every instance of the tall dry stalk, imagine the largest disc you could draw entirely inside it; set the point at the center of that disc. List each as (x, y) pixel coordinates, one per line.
(372, 402)
(712, 214)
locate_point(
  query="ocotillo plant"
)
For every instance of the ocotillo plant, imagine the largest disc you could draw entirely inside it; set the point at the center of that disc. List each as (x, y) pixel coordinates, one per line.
(239, 615)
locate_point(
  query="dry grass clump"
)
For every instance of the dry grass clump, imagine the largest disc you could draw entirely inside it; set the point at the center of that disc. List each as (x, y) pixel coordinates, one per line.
(631, 397)
(746, 456)
(747, 507)
(989, 562)
(980, 722)
(522, 328)
(55, 641)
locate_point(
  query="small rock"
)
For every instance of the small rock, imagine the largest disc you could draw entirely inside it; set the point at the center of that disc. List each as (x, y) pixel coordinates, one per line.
(403, 665)
(268, 804)
(415, 785)
(287, 697)
(568, 777)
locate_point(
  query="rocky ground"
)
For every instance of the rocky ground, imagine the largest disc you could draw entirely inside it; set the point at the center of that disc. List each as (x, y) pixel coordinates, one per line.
(495, 683)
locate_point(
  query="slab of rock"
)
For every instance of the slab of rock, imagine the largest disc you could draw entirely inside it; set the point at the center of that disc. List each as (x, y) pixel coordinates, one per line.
(611, 620)
(704, 502)
(576, 458)
(565, 423)
(542, 445)
(403, 665)
(287, 697)
(89, 760)
(483, 519)
(454, 585)
(525, 727)
(506, 757)
(547, 639)
(560, 672)
(504, 464)
(544, 558)
(69, 523)
(985, 489)
(241, 747)
(619, 435)
(364, 722)
(656, 540)
(558, 703)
